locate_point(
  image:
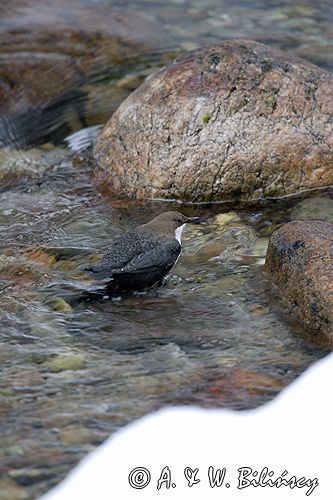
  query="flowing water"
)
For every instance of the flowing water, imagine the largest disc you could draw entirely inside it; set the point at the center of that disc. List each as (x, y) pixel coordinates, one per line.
(215, 334)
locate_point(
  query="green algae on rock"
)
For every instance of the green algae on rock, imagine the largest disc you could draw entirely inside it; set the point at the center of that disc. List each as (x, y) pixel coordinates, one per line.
(270, 129)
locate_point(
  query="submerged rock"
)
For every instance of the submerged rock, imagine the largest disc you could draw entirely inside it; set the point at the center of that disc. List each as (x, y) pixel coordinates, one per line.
(10, 489)
(68, 361)
(319, 208)
(300, 262)
(51, 53)
(60, 305)
(234, 120)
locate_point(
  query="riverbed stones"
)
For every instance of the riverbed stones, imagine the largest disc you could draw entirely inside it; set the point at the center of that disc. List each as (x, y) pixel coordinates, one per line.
(237, 120)
(300, 262)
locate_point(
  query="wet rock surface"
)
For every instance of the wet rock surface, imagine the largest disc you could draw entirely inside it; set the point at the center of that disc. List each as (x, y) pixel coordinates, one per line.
(234, 120)
(300, 261)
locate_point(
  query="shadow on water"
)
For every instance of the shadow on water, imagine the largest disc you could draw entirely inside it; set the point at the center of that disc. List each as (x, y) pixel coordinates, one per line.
(215, 333)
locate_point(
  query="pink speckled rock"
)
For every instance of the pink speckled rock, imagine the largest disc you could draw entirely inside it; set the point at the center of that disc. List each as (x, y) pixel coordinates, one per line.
(234, 120)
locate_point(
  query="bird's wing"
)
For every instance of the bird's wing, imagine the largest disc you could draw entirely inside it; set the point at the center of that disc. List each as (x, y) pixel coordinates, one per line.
(162, 256)
(99, 271)
(124, 248)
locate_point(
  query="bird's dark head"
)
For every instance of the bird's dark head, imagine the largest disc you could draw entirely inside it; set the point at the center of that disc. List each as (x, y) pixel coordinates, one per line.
(170, 224)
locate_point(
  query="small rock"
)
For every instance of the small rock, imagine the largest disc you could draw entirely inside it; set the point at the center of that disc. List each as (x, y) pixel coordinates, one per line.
(63, 362)
(27, 476)
(7, 391)
(258, 309)
(300, 262)
(75, 435)
(222, 220)
(60, 305)
(10, 490)
(3, 262)
(314, 208)
(230, 387)
(41, 257)
(13, 451)
(32, 165)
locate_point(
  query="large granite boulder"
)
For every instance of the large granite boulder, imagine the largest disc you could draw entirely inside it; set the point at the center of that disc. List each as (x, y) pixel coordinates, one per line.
(300, 262)
(236, 120)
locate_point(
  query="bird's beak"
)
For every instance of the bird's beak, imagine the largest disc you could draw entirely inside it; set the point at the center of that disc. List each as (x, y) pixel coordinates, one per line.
(195, 220)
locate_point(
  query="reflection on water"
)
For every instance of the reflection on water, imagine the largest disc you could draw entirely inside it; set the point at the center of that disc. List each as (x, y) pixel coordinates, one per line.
(214, 333)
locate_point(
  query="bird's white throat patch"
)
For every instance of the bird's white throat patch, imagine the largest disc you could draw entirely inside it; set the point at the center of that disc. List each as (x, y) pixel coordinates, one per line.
(178, 233)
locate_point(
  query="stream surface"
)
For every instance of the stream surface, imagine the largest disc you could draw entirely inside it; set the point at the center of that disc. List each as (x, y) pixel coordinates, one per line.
(215, 334)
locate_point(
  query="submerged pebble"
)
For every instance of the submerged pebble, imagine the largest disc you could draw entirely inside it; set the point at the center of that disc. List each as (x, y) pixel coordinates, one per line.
(60, 305)
(63, 362)
(318, 208)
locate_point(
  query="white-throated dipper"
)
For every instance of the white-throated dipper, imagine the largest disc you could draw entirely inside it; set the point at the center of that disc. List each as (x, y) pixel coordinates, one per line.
(142, 256)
